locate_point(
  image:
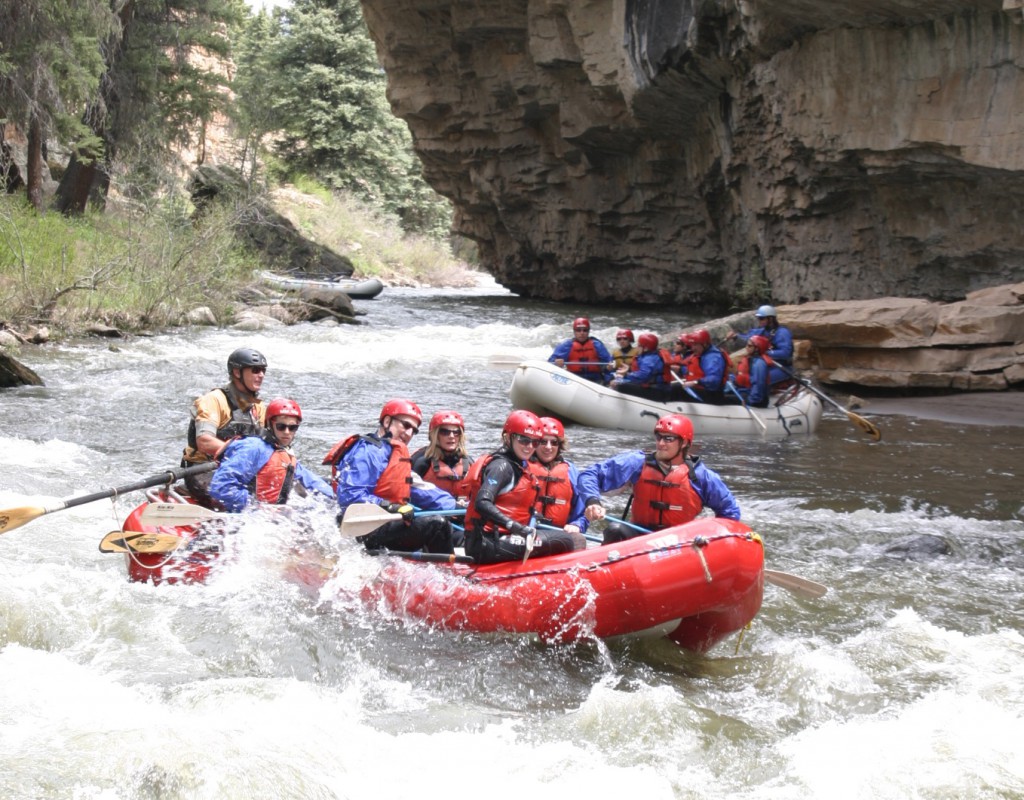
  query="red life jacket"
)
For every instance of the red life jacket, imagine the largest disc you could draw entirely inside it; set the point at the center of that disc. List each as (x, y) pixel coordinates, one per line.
(393, 483)
(692, 368)
(273, 482)
(584, 351)
(451, 479)
(743, 370)
(670, 359)
(660, 500)
(555, 500)
(517, 503)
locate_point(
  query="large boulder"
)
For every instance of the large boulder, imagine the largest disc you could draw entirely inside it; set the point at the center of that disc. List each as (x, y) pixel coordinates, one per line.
(14, 373)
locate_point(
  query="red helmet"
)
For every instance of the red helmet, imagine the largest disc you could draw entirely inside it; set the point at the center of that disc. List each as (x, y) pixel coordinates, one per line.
(677, 425)
(523, 422)
(701, 337)
(762, 343)
(625, 333)
(283, 407)
(403, 407)
(648, 341)
(452, 419)
(550, 426)
(581, 322)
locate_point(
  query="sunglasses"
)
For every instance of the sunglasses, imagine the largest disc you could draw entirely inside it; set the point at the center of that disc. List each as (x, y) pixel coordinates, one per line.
(409, 426)
(585, 330)
(666, 437)
(550, 442)
(284, 426)
(448, 432)
(525, 441)
(623, 339)
(258, 370)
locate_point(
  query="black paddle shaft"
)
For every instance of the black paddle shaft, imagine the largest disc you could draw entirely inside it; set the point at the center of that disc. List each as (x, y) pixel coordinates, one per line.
(154, 480)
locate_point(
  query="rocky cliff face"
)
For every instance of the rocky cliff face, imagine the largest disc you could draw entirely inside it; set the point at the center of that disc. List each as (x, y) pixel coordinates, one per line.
(715, 151)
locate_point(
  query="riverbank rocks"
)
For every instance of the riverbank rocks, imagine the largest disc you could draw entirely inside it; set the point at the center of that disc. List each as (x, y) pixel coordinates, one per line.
(899, 343)
(693, 153)
(14, 373)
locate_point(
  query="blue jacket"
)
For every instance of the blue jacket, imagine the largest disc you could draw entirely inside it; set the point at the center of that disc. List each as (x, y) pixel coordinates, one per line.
(241, 461)
(757, 393)
(712, 364)
(781, 339)
(625, 468)
(361, 468)
(650, 370)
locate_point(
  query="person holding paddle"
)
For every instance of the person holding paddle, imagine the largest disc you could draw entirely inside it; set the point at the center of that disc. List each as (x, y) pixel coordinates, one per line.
(706, 368)
(503, 495)
(780, 350)
(752, 373)
(223, 414)
(669, 487)
(583, 354)
(559, 503)
(262, 469)
(375, 468)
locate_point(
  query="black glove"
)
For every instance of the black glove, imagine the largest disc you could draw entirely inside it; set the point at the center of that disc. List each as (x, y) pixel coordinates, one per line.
(406, 510)
(518, 529)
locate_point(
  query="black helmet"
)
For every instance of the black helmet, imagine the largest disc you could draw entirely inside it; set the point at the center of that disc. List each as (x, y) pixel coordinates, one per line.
(246, 357)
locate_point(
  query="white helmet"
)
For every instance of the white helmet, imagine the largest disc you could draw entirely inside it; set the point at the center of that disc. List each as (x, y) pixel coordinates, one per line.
(766, 311)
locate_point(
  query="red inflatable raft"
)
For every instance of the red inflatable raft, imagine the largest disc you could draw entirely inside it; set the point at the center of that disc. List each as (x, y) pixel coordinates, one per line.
(695, 583)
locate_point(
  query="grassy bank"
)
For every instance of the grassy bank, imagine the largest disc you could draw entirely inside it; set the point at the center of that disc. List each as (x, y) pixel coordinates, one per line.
(138, 268)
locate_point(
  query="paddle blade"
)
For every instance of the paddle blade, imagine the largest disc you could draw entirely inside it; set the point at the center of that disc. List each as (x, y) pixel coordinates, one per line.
(129, 542)
(864, 425)
(504, 362)
(802, 587)
(11, 518)
(174, 514)
(363, 518)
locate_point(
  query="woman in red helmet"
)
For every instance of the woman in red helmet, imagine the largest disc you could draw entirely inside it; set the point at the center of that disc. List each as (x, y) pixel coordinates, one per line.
(376, 468)
(559, 503)
(262, 469)
(752, 372)
(444, 462)
(503, 493)
(669, 487)
(625, 349)
(583, 354)
(646, 374)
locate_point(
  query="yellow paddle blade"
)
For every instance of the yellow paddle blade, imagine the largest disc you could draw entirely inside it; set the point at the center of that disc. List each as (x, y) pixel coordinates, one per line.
(134, 542)
(363, 518)
(11, 518)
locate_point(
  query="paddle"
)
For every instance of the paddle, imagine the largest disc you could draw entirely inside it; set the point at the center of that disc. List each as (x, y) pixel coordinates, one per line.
(363, 518)
(794, 583)
(732, 388)
(134, 542)
(686, 388)
(434, 558)
(513, 361)
(11, 518)
(858, 420)
(158, 514)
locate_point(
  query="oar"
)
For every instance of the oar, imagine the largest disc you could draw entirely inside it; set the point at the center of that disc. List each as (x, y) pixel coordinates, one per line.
(868, 428)
(794, 583)
(157, 514)
(732, 388)
(513, 361)
(434, 558)
(11, 518)
(686, 388)
(134, 542)
(363, 518)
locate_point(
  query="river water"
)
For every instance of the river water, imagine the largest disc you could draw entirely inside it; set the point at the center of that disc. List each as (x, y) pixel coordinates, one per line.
(905, 681)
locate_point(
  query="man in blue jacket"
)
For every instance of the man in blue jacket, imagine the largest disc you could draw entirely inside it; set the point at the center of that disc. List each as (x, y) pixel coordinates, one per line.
(669, 487)
(377, 468)
(779, 337)
(262, 469)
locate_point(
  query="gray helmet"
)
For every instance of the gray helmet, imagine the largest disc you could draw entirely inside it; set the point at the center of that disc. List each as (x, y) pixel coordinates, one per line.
(766, 311)
(246, 357)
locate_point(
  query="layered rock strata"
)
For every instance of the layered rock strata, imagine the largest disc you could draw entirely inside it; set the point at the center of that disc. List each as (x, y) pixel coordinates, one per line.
(699, 152)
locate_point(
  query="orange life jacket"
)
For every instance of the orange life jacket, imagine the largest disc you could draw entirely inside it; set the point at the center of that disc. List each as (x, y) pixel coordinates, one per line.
(662, 500)
(273, 483)
(743, 370)
(451, 479)
(584, 351)
(393, 483)
(517, 503)
(555, 500)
